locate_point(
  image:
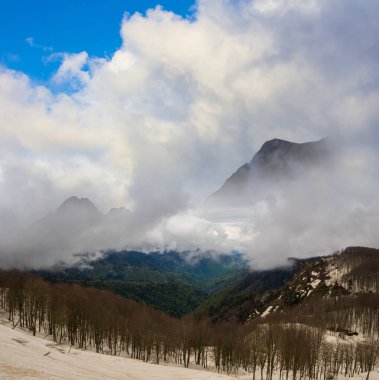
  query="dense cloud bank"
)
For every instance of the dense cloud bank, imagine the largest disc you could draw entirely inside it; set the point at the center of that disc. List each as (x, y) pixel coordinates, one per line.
(183, 103)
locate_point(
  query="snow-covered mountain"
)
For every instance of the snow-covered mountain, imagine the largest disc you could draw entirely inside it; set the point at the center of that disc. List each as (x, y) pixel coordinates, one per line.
(344, 276)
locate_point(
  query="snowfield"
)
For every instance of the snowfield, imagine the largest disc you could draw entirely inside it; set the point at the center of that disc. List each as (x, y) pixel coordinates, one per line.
(24, 356)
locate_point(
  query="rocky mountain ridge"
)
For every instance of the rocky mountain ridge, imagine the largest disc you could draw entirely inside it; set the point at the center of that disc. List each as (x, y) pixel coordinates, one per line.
(276, 161)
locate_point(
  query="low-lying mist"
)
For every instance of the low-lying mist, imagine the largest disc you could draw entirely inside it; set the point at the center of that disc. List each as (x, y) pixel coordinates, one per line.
(316, 211)
(158, 127)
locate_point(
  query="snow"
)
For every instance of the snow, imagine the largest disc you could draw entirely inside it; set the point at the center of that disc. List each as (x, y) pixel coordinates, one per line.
(22, 356)
(315, 283)
(267, 311)
(334, 274)
(334, 338)
(253, 315)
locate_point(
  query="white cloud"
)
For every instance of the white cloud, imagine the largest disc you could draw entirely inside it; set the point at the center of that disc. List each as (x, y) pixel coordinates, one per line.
(182, 104)
(283, 6)
(72, 69)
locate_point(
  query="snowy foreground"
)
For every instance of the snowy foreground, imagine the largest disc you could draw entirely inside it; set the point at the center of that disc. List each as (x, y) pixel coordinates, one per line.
(23, 356)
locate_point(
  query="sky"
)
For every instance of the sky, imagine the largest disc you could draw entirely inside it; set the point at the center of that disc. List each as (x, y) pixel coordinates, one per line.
(152, 111)
(32, 31)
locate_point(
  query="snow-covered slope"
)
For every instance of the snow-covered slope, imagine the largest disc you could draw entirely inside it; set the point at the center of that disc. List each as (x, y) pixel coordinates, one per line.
(23, 356)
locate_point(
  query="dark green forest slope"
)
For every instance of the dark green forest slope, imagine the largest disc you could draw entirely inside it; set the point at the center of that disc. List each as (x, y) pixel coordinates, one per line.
(173, 282)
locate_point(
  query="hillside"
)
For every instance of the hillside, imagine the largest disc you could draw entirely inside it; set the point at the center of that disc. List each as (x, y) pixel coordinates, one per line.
(349, 274)
(247, 293)
(322, 323)
(23, 356)
(169, 281)
(223, 288)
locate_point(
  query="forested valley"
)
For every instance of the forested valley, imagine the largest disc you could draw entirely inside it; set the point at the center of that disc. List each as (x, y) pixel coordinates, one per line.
(309, 339)
(185, 281)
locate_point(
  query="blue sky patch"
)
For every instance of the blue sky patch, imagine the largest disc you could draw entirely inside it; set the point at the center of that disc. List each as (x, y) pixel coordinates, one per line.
(30, 31)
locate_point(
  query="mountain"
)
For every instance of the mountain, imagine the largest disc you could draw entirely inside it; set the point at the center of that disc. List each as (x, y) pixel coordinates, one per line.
(76, 227)
(72, 217)
(276, 161)
(59, 234)
(77, 210)
(73, 214)
(323, 323)
(169, 281)
(246, 294)
(74, 204)
(76, 215)
(351, 275)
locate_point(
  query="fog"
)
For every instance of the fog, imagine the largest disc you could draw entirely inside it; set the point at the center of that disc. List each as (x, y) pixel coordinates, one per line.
(180, 106)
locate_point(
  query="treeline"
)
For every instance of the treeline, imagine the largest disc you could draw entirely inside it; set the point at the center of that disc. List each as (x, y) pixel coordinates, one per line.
(94, 319)
(338, 314)
(298, 351)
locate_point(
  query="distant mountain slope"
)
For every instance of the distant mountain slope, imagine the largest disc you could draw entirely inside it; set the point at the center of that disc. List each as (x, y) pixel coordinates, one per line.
(76, 215)
(75, 227)
(73, 215)
(236, 302)
(331, 335)
(168, 281)
(277, 160)
(354, 271)
(59, 232)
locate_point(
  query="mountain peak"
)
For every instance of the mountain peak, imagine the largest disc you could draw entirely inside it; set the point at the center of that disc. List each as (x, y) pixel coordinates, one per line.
(74, 203)
(277, 159)
(275, 143)
(284, 150)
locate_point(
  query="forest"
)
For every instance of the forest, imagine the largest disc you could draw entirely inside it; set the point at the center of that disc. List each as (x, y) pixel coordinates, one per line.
(186, 283)
(291, 343)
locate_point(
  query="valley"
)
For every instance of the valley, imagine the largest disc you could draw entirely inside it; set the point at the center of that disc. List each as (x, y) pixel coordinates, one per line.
(327, 305)
(173, 282)
(189, 190)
